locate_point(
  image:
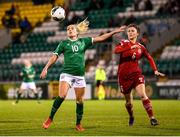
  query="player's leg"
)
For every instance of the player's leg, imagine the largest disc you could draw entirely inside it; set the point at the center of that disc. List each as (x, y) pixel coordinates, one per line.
(101, 92)
(79, 107)
(126, 87)
(63, 89)
(129, 107)
(36, 94)
(79, 87)
(32, 86)
(20, 91)
(97, 88)
(140, 89)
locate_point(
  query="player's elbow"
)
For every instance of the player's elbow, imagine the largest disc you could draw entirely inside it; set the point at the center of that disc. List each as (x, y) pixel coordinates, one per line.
(54, 58)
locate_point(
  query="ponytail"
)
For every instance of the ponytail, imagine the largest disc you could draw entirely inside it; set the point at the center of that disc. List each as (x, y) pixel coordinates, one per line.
(82, 27)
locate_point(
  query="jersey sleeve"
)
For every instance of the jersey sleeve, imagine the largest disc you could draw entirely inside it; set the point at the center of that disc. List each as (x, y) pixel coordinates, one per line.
(59, 49)
(22, 72)
(121, 47)
(88, 42)
(149, 58)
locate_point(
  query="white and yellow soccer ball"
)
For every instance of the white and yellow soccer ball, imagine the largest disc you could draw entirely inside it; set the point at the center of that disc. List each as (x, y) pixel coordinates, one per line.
(58, 13)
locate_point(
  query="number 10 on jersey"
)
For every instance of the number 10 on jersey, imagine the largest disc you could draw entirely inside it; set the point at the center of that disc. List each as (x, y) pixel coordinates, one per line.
(75, 48)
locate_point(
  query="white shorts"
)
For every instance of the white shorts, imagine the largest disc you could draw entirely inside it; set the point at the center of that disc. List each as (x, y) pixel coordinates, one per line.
(28, 85)
(74, 81)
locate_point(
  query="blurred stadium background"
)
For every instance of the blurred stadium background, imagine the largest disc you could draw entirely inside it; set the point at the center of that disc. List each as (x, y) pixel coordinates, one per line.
(27, 32)
(36, 40)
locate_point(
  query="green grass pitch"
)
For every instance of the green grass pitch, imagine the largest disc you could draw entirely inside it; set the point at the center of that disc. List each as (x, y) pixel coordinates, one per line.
(101, 118)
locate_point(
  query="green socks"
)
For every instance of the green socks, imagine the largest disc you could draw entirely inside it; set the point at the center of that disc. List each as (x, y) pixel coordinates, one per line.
(79, 112)
(57, 102)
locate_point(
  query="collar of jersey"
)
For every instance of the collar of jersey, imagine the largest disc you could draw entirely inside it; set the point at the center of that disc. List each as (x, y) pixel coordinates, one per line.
(132, 42)
(72, 39)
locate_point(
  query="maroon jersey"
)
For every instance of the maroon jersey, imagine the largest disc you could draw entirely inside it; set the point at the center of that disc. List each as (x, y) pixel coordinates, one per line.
(128, 64)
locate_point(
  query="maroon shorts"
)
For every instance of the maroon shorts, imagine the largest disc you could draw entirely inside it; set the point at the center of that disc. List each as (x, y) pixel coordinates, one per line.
(128, 83)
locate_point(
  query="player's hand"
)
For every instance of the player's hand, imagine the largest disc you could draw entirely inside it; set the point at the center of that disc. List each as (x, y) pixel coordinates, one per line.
(157, 73)
(121, 29)
(21, 74)
(134, 46)
(43, 74)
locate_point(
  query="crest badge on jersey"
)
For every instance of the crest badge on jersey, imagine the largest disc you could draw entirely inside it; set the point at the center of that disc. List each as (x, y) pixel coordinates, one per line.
(139, 51)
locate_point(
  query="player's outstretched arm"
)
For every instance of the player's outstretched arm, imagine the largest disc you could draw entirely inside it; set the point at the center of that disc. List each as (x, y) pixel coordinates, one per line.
(152, 63)
(108, 35)
(51, 61)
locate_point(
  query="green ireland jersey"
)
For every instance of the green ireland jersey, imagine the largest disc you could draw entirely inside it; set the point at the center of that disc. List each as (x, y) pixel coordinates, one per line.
(74, 51)
(28, 74)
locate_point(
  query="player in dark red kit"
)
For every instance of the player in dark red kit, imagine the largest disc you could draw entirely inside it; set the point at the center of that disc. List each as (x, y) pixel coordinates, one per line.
(130, 75)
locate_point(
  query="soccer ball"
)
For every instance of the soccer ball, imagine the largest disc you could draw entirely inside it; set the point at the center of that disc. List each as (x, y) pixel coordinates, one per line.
(58, 13)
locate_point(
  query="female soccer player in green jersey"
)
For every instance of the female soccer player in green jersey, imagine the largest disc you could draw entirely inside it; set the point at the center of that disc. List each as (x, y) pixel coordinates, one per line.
(28, 74)
(72, 75)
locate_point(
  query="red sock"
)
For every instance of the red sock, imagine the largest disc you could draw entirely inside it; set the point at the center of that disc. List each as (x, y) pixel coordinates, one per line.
(129, 110)
(147, 105)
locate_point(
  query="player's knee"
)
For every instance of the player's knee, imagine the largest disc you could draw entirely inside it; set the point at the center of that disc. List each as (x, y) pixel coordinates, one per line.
(79, 100)
(128, 104)
(62, 96)
(20, 91)
(144, 97)
(35, 91)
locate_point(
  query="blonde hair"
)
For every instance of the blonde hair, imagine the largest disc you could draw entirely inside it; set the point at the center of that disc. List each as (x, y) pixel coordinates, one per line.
(82, 27)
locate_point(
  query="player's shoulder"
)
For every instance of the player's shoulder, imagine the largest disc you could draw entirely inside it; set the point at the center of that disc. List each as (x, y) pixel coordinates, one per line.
(82, 38)
(125, 41)
(63, 42)
(86, 40)
(141, 45)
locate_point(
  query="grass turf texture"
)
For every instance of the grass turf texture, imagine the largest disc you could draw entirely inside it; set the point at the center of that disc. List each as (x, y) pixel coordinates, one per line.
(101, 118)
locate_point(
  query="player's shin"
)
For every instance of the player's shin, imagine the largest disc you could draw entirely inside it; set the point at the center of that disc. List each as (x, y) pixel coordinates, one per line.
(57, 103)
(148, 107)
(37, 97)
(79, 112)
(18, 97)
(129, 108)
